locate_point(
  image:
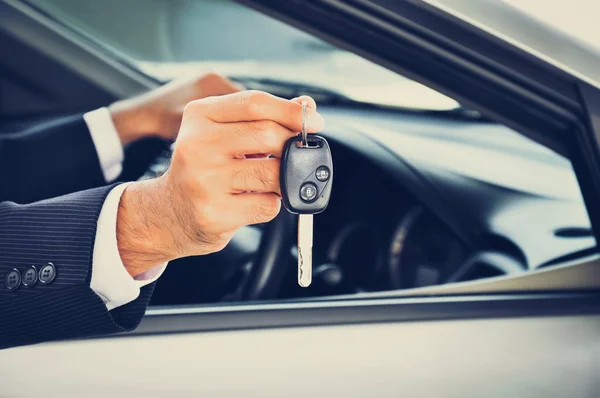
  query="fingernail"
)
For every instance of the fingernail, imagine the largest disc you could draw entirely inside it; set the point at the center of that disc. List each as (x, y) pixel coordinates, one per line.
(314, 122)
(310, 103)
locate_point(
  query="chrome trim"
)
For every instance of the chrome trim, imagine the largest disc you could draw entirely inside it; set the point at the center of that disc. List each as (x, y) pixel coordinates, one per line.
(302, 305)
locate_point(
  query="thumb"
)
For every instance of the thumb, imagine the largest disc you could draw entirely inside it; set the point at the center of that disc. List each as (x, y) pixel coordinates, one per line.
(310, 103)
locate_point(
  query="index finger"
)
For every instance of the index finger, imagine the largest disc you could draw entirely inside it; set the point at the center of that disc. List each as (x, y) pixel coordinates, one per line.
(248, 106)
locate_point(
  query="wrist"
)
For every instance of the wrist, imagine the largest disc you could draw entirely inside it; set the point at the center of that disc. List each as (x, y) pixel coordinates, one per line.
(143, 236)
(130, 121)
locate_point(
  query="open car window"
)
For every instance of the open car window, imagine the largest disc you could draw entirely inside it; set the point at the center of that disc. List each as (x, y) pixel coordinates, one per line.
(491, 210)
(171, 39)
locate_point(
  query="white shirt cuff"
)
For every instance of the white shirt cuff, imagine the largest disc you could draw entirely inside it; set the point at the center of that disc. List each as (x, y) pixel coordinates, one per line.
(107, 142)
(110, 279)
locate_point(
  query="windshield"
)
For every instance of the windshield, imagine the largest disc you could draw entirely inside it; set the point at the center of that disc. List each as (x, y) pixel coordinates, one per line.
(167, 39)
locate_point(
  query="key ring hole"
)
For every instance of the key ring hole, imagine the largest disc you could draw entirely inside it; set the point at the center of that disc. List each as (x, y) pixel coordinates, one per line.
(310, 143)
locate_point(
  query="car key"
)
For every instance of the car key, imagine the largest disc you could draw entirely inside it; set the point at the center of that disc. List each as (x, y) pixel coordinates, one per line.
(306, 179)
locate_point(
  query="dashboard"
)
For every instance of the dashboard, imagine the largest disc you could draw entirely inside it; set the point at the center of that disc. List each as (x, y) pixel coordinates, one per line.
(418, 199)
(375, 235)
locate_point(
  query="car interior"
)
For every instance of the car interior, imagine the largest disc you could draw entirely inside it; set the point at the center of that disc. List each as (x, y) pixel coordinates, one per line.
(431, 198)
(422, 197)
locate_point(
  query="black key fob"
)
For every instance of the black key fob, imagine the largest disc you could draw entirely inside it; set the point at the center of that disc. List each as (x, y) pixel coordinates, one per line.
(306, 175)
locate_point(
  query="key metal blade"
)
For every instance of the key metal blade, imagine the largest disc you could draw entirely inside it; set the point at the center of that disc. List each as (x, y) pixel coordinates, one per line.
(304, 135)
(305, 243)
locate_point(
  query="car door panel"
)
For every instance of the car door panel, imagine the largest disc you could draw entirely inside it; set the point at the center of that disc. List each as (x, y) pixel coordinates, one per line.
(455, 358)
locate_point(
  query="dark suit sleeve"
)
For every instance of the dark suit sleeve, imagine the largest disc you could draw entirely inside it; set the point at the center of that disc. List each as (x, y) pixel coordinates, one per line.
(51, 159)
(61, 231)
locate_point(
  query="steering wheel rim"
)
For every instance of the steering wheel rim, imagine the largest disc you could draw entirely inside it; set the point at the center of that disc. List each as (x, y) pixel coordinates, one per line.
(270, 264)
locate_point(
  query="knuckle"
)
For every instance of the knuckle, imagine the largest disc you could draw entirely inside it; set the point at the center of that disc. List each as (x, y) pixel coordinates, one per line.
(218, 245)
(207, 216)
(263, 132)
(266, 209)
(239, 178)
(256, 96)
(182, 158)
(192, 107)
(255, 216)
(253, 130)
(220, 241)
(273, 206)
(200, 183)
(212, 242)
(263, 174)
(255, 101)
(197, 107)
(204, 185)
(268, 130)
(272, 167)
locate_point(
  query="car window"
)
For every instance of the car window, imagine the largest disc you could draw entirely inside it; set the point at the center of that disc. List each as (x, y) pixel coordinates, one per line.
(518, 200)
(170, 38)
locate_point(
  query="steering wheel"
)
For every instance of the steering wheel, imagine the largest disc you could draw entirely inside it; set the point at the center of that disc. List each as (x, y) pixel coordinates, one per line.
(270, 264)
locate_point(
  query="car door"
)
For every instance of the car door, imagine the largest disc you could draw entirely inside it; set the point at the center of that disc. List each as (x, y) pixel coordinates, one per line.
(525, 335)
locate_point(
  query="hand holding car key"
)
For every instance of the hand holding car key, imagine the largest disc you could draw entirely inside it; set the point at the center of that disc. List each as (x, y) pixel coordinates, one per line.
(306, 180)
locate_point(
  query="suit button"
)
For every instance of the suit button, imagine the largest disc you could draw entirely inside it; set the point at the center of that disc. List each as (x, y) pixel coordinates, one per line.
(29, 277)
(47, 274)
(13, 279)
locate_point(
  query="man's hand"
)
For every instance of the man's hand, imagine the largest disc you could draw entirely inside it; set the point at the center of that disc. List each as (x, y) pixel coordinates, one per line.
(158, 112)
(213, 187)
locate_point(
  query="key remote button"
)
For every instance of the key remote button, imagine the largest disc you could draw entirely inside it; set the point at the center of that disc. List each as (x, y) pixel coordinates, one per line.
(322, 173)
(308, 192)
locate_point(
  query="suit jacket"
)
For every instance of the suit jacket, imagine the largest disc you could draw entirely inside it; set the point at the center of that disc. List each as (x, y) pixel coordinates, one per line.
(56, 236)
